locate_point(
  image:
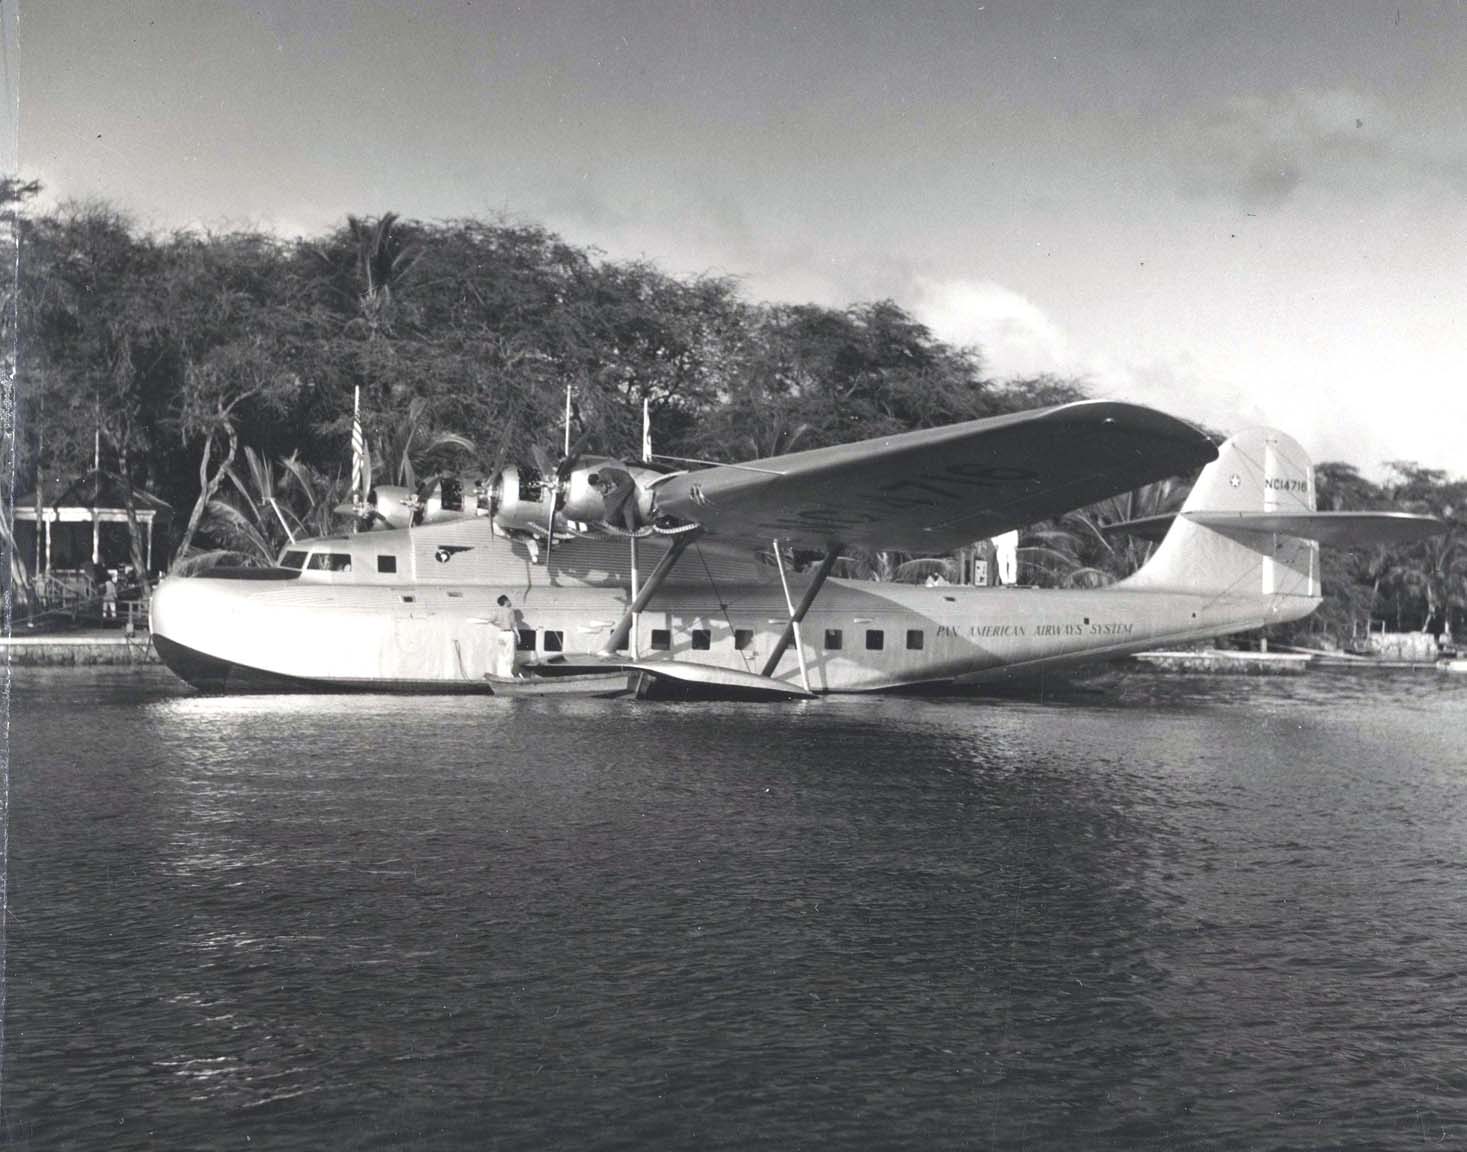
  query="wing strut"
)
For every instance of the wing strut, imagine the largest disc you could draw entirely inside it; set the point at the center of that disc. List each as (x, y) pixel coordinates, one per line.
(792, 629)
(623, 627)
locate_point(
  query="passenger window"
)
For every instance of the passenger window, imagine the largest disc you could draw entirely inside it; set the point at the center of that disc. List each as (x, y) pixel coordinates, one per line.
(293, 559)
(832, 639)
(661, 639)
(386, 563)
(875, 639)
(524, 639)
(914, 639)
(554, 641)
(743, 637)
(702, 639)
(329, 562)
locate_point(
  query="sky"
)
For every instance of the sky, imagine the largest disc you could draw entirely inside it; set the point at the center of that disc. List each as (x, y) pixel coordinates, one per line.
(1240, 213)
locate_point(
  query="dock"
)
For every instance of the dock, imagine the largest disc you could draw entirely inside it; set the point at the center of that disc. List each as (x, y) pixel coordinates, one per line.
(86, 647)
(1217, 662)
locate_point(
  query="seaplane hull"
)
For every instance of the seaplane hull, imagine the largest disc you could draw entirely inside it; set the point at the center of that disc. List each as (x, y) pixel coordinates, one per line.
(413, 609)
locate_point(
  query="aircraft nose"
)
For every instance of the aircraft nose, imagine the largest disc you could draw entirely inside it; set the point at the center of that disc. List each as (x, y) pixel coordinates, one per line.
(182, 607)
(158, 604)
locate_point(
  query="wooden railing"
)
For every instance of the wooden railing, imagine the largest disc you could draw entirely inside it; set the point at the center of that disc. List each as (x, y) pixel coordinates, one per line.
(75, 599)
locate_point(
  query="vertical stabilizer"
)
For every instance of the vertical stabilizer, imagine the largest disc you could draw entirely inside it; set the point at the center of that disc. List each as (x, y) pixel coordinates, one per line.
(1257, 471)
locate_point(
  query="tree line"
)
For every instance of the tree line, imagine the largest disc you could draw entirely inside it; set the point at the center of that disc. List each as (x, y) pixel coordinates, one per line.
(217, 372)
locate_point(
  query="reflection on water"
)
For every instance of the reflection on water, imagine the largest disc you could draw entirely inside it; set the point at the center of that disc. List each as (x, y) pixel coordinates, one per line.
(1140, 913)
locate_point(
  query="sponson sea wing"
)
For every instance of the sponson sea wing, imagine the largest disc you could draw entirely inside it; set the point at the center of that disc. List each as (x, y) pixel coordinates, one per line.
(940, 488)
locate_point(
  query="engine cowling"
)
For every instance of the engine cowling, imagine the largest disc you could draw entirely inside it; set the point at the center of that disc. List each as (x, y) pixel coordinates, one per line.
(599, 490)
(520, 500)
(393, 505)
(445, 498)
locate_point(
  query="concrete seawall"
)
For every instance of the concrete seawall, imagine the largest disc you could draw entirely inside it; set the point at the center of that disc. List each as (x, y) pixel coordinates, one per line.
(79, 648)
(1217, 662)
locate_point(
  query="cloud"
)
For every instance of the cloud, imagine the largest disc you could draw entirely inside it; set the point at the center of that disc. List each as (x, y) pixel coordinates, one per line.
(1260, 150)
(1014, 334)
(1321, 397)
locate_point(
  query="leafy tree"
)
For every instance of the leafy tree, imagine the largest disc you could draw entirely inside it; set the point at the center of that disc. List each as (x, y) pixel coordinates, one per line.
(1435, 568)
(95, 352)
(234, 315)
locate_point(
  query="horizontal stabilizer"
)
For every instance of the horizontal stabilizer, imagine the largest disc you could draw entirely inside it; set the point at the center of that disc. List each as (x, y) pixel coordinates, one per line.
(1146, 527)
(1344, 529)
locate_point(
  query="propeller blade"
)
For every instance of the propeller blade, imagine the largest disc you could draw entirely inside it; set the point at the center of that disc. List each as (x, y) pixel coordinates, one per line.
(549, 534)
(543, 462)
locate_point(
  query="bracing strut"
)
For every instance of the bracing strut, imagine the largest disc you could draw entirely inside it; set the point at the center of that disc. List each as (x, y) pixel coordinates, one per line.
(797, 613)
(645, 593)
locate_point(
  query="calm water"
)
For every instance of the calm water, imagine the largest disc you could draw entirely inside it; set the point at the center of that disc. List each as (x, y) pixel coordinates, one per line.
(1168, 914)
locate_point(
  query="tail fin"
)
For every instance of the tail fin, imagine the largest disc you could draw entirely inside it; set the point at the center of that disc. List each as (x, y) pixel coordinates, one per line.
(1218, 546)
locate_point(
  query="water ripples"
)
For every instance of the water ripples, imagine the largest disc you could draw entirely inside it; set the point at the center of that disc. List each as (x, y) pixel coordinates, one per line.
(1144, 913)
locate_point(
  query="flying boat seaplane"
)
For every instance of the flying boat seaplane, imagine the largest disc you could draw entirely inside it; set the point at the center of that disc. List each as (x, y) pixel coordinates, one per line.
(628, 573)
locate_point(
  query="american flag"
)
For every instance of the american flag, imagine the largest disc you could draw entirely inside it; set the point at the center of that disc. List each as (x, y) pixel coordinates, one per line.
(360, 482)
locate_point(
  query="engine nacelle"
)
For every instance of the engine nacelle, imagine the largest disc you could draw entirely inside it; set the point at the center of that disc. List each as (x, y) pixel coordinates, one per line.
(447, 498)
(521, 501)
(594, 484)
(394, 505)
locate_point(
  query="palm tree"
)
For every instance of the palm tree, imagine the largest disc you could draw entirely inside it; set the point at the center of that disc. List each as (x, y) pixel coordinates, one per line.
(265, 508)
(1089, 548)
(384, 259)
(1435, 568)
(411, 441)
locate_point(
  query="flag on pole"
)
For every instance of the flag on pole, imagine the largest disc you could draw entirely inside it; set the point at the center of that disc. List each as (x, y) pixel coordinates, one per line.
(646, 433)
(360, 481)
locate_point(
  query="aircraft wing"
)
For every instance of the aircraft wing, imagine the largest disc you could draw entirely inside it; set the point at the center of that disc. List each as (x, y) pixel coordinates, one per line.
(937, 489)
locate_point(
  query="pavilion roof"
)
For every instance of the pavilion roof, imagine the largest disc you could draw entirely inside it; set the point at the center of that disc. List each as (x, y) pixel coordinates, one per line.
(97, 490)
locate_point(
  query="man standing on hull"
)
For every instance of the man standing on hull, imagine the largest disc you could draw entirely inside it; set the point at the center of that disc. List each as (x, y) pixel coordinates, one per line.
(504, 619)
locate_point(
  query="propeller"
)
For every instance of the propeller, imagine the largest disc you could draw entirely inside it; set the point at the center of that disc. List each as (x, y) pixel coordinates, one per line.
(555, 475)
(366, 515)
(610, 477)
(549, 478)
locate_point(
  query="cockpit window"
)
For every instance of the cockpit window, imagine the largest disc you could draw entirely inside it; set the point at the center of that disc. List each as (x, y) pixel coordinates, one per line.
(293, 559)
(329, 562)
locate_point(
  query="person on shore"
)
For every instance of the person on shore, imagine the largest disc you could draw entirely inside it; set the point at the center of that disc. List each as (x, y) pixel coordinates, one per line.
(109, 598)
(505, 621)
